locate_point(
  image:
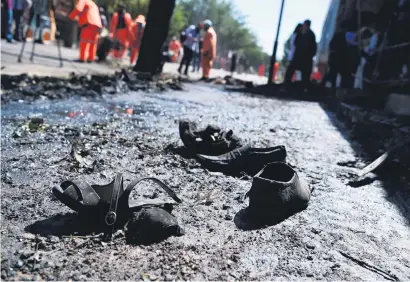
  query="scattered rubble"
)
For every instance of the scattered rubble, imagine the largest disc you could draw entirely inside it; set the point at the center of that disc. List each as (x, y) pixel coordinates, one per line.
(27, 88)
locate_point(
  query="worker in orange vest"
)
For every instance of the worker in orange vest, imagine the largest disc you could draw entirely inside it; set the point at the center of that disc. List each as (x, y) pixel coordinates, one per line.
(120, 29)
(137, 30)
(175, 46)
(275, 70)
(208, 49)
(261, 70)
(90, 22)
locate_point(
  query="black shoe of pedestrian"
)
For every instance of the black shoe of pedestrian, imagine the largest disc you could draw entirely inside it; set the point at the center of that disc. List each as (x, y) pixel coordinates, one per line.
(277, 193)
(203, 79)
(210, 141)
(179, 70)
(12, 41)
(244, 159)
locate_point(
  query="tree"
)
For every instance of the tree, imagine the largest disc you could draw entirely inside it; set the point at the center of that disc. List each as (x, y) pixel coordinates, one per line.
(229, 24)
(155, 34)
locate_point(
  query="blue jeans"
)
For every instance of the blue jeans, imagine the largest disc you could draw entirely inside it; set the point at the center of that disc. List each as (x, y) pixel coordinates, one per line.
(9, 34)
(196, 62)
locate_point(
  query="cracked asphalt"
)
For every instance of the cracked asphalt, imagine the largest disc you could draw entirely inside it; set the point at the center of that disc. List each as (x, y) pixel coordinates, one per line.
(346, 233)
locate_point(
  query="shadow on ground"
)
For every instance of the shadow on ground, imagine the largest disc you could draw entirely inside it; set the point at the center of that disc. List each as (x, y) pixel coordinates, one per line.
(393, 176)
(245, 221)
(63, 224)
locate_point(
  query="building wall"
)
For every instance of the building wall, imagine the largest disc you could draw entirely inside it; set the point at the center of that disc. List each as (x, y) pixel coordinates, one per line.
(343, 13)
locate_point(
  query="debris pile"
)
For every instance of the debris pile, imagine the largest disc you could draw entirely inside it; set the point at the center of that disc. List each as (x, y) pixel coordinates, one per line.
(27, 88)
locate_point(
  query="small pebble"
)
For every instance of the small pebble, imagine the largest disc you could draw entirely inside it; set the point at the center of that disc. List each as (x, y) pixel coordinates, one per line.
(169, 277)
(53, 239)
(19, 264)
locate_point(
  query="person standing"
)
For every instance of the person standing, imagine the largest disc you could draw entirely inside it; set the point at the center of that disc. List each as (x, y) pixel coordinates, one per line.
(18, 9)
(138, 28)
(89, 20)
(175, 47)
(189, 45)
(120, 29)
(208, 50)
(233, 63)
(196, 62)
(292, 48)
(308, 45)
(305, 50)
(8, 19)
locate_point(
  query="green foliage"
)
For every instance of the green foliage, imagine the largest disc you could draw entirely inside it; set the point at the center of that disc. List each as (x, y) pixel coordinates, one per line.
(178, 21)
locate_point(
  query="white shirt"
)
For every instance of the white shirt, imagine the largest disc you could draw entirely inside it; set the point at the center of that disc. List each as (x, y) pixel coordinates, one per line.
(292, 47)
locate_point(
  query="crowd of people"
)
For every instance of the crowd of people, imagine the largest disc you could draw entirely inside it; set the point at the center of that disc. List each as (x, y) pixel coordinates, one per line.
(196, 50)
(17, 11)
(377, 49)
(123, 29)
(91, 20)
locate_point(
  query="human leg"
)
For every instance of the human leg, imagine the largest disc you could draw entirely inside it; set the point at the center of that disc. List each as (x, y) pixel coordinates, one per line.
(188, 53)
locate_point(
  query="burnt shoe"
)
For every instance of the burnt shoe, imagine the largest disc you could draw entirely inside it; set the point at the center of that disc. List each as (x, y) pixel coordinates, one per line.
(277, 193)
(150, 225)
(244, 159)
(210, 141)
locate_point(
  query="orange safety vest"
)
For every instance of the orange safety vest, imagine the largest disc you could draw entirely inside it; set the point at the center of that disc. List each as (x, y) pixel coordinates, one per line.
(114, 25)
(175, 46)
(87, 12)
(209, 44)
(137, 29)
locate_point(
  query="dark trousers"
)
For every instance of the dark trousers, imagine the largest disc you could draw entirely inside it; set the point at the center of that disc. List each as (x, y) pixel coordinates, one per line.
(186, 59)
(345, 75)
(344, 62)
(18, 19)
(290, 71)
(305, 68)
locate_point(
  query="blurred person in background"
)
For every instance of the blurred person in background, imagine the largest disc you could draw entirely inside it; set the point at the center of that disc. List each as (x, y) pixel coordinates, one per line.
(137, 29)
(19, 7)
(89, 19)
(208, 49)
(190, 44)
(121, 30)
(292, 64)
(175, 47)
(305, 48)
(7, 20)
(196, 62)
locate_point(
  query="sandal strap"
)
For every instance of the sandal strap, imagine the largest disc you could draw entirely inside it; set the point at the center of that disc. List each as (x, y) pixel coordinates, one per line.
(111, 216)
(131, 186)
(88, 195)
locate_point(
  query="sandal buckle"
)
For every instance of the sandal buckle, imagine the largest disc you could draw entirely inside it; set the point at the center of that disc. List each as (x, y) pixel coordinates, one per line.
(110, 218)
